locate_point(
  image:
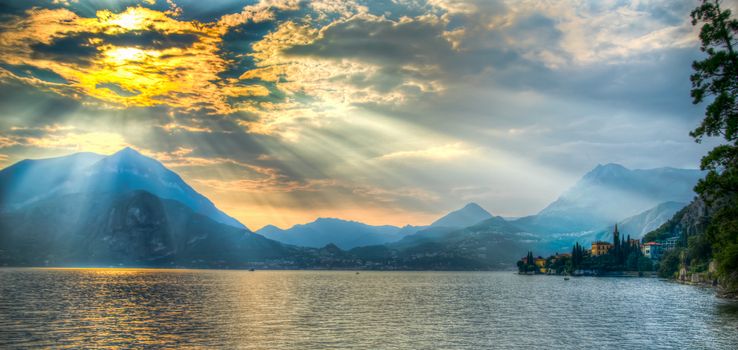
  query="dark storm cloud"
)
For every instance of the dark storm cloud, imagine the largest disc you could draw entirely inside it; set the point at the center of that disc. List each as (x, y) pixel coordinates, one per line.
(28, 71)
(73, 49)
(80, 48)
(380, 41)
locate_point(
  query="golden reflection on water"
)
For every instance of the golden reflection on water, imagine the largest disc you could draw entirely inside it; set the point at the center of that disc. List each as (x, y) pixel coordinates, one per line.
(153, 308)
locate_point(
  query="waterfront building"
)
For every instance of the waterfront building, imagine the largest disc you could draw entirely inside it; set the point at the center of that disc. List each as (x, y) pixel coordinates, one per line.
(600, 248)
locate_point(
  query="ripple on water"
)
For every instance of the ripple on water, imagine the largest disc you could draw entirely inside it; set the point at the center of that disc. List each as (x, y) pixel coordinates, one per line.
(111, 308)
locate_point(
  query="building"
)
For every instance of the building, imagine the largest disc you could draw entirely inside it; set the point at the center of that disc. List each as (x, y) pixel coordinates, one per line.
(669, 244)
(652, 250)
(558, 257)
(541, 264)
(600, 248)
(635, 243)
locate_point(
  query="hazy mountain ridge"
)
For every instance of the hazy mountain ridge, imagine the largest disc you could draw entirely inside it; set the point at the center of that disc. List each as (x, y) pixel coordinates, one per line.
(639, 225)
(609, 193)
(129, 209)
(689, 221)
(127, 170)
(469, 215)
(347, 234)
(636, 227)
(343, 233)
(133, 229)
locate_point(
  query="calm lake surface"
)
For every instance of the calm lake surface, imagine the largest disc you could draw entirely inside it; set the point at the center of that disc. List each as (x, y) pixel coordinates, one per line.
(342, 310)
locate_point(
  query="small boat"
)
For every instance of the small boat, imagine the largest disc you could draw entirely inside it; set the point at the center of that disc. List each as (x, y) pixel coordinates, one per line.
(566, 278)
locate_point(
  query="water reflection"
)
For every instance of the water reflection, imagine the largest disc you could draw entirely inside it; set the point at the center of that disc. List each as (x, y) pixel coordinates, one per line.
(120, 308)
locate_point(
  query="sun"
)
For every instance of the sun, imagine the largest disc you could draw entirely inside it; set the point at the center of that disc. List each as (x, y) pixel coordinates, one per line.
(131, 19)
(125, 54)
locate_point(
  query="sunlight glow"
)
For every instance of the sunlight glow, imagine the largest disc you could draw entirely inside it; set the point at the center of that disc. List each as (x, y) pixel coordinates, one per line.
(122, 54)
(132, 19)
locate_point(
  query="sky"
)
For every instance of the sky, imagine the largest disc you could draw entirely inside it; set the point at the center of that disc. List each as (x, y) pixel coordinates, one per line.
(385, 112)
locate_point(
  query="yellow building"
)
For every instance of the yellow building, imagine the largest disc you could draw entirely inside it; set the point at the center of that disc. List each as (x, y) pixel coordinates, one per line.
(541, 264)
(600, 248)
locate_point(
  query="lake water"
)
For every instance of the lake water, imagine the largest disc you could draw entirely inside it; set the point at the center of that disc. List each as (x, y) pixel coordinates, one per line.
(344, 310)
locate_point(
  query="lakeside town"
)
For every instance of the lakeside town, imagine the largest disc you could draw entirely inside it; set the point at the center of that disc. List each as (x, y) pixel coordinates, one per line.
(624, 256)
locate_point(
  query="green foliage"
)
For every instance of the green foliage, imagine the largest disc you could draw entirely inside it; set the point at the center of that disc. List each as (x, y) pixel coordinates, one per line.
(666, 230)
(529, 265)
(644, 264)
(632, 263)
(623, 257)
(699, 250)
(669, 264)
(716, 77)
(577, 256)
(723, 233)
(559, 265)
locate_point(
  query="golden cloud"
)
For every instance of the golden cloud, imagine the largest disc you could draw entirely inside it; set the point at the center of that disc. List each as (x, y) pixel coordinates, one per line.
(124, 74)
(104, 62)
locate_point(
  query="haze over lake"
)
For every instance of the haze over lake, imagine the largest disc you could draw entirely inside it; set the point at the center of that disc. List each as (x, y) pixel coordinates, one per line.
(74, 308)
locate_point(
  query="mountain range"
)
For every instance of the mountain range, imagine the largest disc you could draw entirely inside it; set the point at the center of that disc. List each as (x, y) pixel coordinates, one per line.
(29, 181)
(343, 233)
(134, 228)
(128, 209)
(350, 234)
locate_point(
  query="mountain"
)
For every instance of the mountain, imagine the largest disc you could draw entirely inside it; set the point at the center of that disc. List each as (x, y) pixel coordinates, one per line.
(342, 233)
(469, 215)
(29, 181)
(491, 244)
(350, 234)
(610, 193)
(635, 226)
(639, 225)
(135, 228)
(690, 221)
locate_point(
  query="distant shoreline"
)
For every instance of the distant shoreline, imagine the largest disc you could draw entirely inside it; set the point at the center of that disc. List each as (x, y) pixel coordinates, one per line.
(239, 269)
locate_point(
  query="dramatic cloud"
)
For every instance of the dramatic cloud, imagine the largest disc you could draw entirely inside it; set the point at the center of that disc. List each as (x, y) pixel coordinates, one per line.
(378, 111)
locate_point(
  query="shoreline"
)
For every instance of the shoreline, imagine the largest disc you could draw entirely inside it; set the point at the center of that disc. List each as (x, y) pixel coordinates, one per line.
(247, 269)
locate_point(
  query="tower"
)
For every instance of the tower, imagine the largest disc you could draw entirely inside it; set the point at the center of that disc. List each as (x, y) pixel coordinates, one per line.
(616, 236)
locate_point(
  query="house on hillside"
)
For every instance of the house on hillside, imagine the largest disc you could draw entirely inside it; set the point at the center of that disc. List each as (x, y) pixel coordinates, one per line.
(669, 244)
(652, 250)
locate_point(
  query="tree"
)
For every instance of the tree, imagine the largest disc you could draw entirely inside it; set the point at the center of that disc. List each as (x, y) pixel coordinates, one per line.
(632, 263)
(716, 78)
(577, 256)
(669, 264)
(644, 264)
